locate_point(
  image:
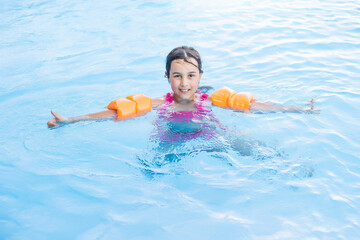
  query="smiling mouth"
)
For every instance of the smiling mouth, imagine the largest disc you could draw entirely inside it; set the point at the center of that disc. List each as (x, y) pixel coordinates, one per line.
(184, 90)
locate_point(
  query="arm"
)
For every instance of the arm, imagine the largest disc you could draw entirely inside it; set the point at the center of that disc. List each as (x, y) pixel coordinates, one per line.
(157, 102)
(264, 107)
(260, 107)
(245, 102)
(59, 120)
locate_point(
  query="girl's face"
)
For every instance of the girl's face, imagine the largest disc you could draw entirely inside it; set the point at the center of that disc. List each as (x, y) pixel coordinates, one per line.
(184, 79)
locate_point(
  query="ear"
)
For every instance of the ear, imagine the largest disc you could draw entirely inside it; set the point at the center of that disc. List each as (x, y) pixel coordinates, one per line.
(167, 76)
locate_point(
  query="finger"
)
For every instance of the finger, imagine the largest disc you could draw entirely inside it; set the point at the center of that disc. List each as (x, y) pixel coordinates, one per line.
(53, 113)
(57, 116)
(51, 123)
(311, 102)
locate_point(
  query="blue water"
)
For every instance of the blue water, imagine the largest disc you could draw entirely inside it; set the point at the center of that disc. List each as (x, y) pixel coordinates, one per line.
(270, 176)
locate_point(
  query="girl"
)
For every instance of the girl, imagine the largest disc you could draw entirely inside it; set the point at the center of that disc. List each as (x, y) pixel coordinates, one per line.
(184, 72)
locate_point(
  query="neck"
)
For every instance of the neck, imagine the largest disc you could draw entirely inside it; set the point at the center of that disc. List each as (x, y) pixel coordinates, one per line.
(183, 101)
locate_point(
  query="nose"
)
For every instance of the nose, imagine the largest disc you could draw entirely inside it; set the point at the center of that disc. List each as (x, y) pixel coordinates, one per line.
(184, 81)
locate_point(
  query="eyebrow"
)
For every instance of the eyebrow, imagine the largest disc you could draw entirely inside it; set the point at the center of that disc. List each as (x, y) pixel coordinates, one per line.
(181, 73)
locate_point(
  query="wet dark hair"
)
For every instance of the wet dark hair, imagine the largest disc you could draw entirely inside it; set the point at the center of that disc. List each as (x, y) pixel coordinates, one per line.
(184, 53)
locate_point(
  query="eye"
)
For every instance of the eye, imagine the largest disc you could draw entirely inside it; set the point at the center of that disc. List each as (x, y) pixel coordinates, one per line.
(191, 75)
(177, 76)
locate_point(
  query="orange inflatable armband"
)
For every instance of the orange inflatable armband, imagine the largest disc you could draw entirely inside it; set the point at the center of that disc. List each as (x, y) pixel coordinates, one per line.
(226, 97)
(143, 103)
(240, 101)
(132, 106)
(220, 97)
(125, 108)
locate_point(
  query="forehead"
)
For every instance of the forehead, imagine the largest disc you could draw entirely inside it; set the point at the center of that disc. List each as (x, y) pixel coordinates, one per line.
(180, 64)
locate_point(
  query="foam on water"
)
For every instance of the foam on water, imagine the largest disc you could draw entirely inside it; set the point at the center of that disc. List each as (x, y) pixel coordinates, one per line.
(270, 176)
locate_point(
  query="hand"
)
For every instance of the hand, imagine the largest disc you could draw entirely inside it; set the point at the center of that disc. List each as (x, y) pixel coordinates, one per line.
(310, 108)
(54, 122)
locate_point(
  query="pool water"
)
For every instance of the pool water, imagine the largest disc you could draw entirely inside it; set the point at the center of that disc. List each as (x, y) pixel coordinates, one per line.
(269, 176)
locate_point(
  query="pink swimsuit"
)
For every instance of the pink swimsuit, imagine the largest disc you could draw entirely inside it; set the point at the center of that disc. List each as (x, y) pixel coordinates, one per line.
(180, 126)
(184, 115)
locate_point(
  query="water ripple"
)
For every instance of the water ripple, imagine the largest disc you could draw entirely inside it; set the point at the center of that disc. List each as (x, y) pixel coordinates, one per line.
(113, 180)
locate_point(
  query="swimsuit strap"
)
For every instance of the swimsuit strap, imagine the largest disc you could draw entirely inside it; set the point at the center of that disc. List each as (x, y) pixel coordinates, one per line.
(168, 98)
(199, 105)
(203, 96)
